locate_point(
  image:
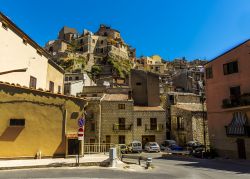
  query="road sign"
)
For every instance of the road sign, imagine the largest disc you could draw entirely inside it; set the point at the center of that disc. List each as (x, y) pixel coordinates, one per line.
(81, 122)
(80, 133)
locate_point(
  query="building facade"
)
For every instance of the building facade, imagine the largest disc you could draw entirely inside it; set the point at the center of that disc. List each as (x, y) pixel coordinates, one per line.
(24, 62)
(186, 118)
(37, 124)
(227, 90)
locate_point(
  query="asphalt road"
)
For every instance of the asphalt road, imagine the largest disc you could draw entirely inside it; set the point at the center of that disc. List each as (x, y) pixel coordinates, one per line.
(173, 167)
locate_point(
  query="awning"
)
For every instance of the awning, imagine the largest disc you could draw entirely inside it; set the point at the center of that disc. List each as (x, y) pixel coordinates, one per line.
(238, 124)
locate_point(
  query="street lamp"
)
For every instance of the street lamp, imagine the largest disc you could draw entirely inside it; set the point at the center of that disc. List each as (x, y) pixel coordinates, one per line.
(203, 119)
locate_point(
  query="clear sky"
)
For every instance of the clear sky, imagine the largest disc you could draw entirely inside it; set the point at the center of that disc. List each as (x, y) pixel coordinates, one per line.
(170, 28)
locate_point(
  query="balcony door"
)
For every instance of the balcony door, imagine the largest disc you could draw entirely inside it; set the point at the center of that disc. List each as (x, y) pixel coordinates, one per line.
(153, 124)
(121, 123)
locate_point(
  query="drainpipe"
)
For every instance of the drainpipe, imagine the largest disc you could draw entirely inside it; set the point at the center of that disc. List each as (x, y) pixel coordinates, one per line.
(99, 126)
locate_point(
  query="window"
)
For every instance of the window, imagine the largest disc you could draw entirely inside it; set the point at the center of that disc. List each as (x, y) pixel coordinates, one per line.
(92, 128)
(171, 99)
(77, 78)
(51, 86)
(230, 68)
(153, 123)
(4, 25)
(101, 41)
(180, 123)
(121, 106)
(17, 122)
(32, 82)
(235, 95)
(121, 123)
(70, 78)
(66, 78)
(138, 122)
(93, 40)
(138, 84)
(121, 139)
(59, 89)
(209, 73)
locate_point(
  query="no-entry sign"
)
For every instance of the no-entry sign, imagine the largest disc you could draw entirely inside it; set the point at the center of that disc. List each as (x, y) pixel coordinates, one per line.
(80, 133)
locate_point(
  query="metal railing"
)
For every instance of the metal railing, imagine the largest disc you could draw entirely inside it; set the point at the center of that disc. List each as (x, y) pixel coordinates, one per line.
(117, 127)
(155, 128)
(92, 148)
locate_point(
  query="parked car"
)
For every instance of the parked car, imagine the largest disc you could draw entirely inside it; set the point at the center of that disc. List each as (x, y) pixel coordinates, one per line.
(123, 148)
(152, 147)
(135, 146)
(196, 148)
(175, 147)
(166, 144)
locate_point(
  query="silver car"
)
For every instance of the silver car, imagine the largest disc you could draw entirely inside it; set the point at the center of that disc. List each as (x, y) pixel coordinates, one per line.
(152, 147)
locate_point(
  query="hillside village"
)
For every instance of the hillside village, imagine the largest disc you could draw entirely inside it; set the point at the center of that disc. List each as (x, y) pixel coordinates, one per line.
(98, 78)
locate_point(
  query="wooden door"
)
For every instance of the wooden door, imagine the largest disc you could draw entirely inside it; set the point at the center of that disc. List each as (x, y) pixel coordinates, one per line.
(241, 148)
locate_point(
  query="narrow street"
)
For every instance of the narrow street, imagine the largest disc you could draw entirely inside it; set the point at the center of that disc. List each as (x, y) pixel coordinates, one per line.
(173, 167)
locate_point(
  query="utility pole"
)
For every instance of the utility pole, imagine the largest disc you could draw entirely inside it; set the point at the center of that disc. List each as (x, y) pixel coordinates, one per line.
(203, 118)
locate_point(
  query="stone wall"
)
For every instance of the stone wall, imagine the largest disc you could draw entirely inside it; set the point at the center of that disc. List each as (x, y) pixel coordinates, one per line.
(110, 116)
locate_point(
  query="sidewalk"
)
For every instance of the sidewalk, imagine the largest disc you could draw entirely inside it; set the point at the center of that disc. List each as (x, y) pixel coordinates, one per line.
(87, 160)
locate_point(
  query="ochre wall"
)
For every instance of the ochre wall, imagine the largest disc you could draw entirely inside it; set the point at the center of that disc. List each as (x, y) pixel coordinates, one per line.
(45, 120)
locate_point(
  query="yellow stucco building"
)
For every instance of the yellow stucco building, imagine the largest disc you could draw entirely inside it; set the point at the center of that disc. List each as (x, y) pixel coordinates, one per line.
(37, 123)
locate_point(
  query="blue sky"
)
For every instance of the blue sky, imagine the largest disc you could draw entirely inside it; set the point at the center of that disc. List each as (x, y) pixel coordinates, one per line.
(170, 28)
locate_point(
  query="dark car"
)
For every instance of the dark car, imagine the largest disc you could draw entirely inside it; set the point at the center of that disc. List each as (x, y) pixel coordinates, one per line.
(175, 147)
(196, 148)
(166, 144)
(123, 148)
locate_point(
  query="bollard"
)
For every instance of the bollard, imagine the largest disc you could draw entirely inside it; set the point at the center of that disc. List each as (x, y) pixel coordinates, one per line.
(148, 162)
(112, 157)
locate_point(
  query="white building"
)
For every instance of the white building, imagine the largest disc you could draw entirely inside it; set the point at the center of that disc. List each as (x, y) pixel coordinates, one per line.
(74, 83)
(24, 62)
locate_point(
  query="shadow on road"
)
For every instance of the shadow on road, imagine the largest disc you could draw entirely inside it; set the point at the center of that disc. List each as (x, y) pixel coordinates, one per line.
(237, 166)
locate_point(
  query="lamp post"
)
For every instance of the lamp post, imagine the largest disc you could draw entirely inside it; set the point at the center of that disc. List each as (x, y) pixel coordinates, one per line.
(203, 120)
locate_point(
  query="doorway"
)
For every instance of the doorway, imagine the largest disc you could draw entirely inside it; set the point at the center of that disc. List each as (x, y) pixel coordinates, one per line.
(73, 146)
(241, 148)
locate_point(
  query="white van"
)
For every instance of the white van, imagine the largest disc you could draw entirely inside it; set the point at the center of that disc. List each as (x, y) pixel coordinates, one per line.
(135, 146)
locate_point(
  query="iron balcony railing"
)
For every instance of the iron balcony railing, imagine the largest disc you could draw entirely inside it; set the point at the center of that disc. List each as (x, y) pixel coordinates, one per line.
(119, 127)
(154, 128)
(243, 130)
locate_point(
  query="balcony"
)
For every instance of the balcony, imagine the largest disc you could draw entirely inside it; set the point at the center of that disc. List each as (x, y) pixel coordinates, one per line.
(243, 100)
(235, 131)
(119, 127)
(154, 128)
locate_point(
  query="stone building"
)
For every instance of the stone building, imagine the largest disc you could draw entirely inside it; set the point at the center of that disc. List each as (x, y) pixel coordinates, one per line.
(145, 88)
(189, 80)
(186, 118)
(24, 62)
(228, 104)
(122, 122)
(36, 123)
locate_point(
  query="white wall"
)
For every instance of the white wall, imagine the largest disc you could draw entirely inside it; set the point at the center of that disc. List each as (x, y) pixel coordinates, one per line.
(14, 54)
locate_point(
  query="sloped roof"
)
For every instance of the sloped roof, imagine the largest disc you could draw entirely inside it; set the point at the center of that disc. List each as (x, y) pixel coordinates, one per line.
(116, 97)
(228, 51)
(194, 107)
(22, 34)
(148, 108)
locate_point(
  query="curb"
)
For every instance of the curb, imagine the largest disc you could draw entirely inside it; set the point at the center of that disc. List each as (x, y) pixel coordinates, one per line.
(55, 165)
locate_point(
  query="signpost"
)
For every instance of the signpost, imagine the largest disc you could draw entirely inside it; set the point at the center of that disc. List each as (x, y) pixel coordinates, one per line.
(81, 122)
(80, 135)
